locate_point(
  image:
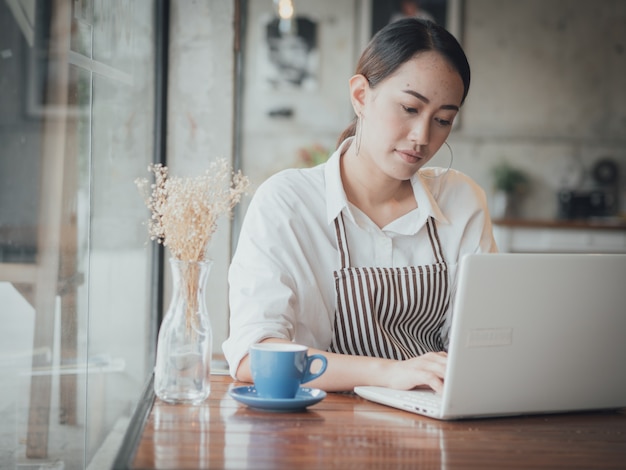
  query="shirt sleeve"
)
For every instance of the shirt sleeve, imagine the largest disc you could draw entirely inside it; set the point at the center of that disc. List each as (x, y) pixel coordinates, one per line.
(262, 291)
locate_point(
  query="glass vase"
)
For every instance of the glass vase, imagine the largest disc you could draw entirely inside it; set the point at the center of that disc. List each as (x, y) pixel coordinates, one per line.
(185, 341)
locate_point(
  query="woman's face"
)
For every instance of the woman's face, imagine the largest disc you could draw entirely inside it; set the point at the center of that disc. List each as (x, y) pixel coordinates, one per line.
(409, 115)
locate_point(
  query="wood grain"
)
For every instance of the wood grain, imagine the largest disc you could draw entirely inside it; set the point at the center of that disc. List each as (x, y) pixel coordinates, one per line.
(345, 431)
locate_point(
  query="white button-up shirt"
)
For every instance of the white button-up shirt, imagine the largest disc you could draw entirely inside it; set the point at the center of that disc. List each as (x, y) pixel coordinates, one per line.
(281, 276)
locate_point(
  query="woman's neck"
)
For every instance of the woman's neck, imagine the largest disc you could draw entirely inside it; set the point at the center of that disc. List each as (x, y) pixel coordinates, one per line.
(382, 198)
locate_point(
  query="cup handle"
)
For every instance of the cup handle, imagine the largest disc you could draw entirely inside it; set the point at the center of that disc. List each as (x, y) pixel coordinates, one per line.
(308, 375)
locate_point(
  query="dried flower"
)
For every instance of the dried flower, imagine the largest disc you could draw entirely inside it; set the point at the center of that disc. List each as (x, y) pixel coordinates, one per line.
(184, 211)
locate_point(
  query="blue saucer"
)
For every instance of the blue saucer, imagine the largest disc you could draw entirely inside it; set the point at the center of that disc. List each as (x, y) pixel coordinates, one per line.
(305, 397)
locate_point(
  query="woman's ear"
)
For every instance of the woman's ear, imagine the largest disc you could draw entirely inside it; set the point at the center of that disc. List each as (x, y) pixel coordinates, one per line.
(358, 90)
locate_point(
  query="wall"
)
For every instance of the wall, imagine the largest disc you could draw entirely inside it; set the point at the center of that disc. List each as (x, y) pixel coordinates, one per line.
(547, 92)
(200, 119)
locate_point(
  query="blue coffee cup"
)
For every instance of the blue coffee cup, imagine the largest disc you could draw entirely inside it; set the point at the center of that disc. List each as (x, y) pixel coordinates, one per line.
(278, 369)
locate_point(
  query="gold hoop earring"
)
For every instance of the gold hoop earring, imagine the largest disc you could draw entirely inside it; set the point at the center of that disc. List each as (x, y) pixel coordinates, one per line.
(357, 136)
(451, 157)
(449, 165)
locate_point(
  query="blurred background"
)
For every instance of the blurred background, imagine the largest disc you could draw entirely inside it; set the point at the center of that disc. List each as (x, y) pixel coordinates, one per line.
(93, 91)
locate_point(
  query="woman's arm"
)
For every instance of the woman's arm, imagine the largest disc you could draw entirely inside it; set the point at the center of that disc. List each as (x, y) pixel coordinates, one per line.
(344, 372)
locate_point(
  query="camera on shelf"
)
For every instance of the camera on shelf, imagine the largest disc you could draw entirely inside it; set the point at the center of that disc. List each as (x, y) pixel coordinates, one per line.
(602, 200)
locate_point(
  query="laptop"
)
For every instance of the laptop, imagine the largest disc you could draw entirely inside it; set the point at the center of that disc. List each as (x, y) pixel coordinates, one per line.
(531, 333)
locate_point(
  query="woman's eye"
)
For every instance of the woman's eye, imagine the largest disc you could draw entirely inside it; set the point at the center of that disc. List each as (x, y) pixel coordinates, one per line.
(443, 122)
(409, 110)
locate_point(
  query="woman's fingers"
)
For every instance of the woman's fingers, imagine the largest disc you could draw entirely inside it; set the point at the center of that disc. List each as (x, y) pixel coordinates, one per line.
(428, 369)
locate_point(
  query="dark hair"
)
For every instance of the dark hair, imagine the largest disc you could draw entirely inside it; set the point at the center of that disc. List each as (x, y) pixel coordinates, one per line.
(399, 42)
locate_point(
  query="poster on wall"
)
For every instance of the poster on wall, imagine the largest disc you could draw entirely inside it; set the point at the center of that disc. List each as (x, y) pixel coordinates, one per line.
(289, 59)
(443, 12)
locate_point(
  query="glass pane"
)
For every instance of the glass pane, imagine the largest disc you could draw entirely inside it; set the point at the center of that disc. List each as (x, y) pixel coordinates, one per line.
(76, 345)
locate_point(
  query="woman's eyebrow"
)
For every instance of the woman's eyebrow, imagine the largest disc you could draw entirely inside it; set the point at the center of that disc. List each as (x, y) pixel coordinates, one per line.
(421, 97)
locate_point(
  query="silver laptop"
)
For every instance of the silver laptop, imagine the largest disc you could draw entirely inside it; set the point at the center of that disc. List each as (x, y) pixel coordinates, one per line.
(531, 333)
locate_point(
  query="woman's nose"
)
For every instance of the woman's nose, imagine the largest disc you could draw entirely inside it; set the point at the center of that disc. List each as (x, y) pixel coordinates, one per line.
(420, 132)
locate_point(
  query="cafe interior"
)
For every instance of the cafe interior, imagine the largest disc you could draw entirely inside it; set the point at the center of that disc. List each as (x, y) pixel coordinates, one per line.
(93, 92)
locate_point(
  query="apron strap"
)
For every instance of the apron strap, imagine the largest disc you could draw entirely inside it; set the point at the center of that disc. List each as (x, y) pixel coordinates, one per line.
(342, 241)
(435, 243)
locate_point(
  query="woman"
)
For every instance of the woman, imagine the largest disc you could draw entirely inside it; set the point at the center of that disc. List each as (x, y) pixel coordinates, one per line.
(357, 258)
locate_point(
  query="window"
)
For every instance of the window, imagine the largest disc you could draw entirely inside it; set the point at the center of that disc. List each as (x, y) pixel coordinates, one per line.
(77, 127)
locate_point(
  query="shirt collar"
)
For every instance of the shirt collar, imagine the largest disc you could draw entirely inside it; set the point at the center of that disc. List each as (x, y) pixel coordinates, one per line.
(336, 199)
(423, 188)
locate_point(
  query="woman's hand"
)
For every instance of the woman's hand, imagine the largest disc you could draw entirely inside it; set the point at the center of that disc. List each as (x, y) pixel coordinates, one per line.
(426, 370)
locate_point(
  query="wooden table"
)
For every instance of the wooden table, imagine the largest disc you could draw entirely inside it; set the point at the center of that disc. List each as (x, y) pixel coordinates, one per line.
(345, 431)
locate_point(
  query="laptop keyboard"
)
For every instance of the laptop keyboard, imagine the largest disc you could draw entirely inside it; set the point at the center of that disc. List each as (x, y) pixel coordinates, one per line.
(422, 398)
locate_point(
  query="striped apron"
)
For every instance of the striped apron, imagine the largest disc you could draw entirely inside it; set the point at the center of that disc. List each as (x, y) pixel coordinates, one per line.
(394, 313)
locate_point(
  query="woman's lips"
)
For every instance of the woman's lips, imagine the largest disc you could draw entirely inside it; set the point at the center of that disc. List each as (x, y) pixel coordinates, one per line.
(410, 156)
